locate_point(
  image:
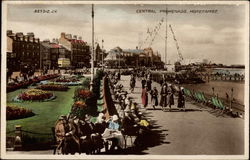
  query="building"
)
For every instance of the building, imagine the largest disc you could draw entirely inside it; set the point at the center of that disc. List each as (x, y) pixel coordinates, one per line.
(115, 58)
(79, 50)
(132, 57)
(45, 52)
(51, 52)
(22, 50)
(142, 57)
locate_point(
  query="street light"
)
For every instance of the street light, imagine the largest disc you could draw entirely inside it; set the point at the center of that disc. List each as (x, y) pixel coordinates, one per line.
(102, 56)
(93, 49)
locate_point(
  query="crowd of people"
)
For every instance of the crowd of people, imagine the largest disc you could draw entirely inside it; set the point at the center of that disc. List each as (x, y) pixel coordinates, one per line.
(81, 135)
(132, 120)
(166, 93)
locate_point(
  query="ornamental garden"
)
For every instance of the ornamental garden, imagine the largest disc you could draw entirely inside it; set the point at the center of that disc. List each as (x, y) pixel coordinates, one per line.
(36, 106)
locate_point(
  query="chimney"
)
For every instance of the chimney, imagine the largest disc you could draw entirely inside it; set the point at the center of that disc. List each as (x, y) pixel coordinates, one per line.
(30, 34)
(9, 32)
(26, 38)
(19, 34)
(136, 47)
(75, 37)
(80, 38)
(68, 36)
(53, 40)
(46, 40)
(57, 41)
(63, 35)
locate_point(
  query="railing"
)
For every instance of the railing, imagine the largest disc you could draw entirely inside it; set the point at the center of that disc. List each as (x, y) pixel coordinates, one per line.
(220, 77)
(23, 139)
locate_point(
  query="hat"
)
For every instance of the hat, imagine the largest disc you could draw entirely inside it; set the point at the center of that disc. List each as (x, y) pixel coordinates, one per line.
(101, 114)
(114, 117)
(127, 101)
(62, 117)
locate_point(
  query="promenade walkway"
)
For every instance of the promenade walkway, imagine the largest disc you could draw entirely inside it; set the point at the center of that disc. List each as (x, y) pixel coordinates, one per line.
(194, 132)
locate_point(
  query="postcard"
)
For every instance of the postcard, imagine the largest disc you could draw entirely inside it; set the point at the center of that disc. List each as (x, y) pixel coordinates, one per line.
(125, 80)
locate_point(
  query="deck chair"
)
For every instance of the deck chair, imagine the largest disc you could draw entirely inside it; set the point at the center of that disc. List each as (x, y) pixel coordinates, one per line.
(129, 133)
(199, 97)
(203, 98)
(214, 102)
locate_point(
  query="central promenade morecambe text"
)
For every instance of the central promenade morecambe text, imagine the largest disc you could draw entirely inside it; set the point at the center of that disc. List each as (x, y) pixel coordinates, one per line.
(177, 11)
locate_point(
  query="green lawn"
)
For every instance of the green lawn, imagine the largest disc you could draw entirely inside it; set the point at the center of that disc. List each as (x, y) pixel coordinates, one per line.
(46, 113)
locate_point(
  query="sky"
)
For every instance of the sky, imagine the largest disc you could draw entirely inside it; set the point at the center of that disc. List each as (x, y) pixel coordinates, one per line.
(218, 37)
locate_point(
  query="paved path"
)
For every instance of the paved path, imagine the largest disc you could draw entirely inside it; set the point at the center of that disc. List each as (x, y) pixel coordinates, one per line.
(193, 132)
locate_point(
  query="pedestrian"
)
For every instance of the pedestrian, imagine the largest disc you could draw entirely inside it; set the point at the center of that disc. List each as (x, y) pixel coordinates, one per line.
(181, 98)
(149, 84)
(132, 83)
(170, 96)
(128, 103)
(143, 82)
(119, 76)
(154, 97)
(144, 97)
(227, 97)
(163, 101)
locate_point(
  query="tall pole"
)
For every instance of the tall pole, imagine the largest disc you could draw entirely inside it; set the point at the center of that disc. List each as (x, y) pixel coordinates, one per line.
(166, 38)
(102, 56)
(119, 61)
(93, 47)
(40, 61)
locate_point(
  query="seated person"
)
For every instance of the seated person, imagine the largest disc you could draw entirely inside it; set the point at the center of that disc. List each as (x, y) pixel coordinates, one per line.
(113, 123)
(129, 124)
(113, 133)
(100, 123)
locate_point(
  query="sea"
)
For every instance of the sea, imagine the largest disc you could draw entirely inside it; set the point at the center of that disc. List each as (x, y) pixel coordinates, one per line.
(229, 71)
(222, 88)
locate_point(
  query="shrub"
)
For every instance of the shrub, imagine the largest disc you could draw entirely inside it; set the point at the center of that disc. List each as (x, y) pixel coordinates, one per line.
(16, 112)
(53, 87)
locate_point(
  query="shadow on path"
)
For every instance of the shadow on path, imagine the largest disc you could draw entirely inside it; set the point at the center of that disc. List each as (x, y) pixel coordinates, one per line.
(154, 137)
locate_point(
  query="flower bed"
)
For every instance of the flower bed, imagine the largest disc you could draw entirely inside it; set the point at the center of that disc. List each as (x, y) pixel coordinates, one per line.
(15, 86)
(82, 93)
(79, 109)
(35, 95)
(53, 87)
(79, 104)
(16, 112)
(23, 84)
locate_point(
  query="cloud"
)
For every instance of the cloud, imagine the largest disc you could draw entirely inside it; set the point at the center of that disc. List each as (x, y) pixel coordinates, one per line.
(211, 36)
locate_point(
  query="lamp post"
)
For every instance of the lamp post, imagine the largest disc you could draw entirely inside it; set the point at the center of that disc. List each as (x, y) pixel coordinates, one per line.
(102, 56)
(231, 100)
(93, 50)
(119, 62)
